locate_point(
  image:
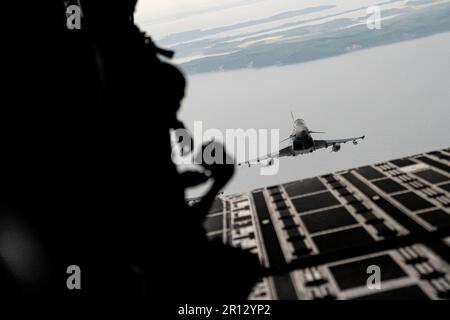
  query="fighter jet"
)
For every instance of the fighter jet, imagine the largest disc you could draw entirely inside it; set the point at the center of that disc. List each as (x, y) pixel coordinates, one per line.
(302, 142)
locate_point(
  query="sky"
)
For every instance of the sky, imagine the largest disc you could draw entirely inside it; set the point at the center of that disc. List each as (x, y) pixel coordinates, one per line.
(157, 9)
(163, 17)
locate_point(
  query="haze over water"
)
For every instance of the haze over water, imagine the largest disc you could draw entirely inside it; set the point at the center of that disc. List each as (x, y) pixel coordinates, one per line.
(397, 95)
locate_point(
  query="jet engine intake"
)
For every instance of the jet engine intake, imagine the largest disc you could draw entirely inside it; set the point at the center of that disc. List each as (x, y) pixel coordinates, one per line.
(336, 148)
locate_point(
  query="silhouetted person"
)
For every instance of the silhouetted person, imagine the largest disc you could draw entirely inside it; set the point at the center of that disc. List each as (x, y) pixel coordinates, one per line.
(91, 170)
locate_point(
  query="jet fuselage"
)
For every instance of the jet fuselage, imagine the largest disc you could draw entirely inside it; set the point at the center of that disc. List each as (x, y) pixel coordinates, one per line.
(302, 142)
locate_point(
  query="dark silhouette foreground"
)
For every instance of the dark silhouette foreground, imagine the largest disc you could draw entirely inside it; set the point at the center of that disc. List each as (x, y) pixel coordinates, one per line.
(87, 177)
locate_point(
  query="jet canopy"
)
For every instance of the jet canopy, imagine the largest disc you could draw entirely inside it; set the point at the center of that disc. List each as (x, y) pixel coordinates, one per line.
(299, 123)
